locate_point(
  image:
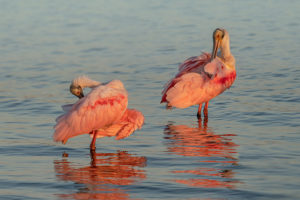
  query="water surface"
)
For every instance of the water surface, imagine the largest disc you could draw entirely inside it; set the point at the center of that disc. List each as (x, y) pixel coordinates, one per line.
(248, 148)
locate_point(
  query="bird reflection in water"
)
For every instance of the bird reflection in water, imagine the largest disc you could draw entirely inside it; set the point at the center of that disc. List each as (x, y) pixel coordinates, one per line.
(104, 176)
(217, 155)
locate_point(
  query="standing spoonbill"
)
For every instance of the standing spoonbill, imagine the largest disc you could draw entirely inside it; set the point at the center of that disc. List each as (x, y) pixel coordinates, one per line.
(102, 112)
(203, 77)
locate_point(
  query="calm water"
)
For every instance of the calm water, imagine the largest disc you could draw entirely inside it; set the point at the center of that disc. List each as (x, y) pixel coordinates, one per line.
(248, 149)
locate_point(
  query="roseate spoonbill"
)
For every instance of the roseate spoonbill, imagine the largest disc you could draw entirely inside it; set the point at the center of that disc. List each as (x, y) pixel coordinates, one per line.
(203, 77)
(102, 112)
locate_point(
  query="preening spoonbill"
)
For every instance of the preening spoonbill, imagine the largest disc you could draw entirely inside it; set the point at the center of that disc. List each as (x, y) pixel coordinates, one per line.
(203, 77)
(102, 112)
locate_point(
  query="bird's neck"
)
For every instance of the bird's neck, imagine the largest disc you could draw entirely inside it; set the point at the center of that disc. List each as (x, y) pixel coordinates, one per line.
(90, 84)
(85, 82)
(225, 50)
(226, 55)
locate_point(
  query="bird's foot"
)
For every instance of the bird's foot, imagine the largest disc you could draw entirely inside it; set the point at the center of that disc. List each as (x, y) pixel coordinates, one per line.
(93, 143)
(168, 107)
(92, 149)
(65, 155)
(199, 116)
(205, 110)
(205, 120)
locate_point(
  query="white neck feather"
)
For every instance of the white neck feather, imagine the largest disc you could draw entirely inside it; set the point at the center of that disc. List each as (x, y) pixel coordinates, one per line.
(85, 81)
(225, 53)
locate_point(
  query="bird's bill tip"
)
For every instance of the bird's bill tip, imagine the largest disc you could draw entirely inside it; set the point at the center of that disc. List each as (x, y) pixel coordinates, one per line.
(81, 95)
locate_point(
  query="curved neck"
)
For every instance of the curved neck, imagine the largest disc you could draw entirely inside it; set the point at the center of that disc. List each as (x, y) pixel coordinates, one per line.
(226, 55)
(85, 81)
(91, 84)
(225, 50)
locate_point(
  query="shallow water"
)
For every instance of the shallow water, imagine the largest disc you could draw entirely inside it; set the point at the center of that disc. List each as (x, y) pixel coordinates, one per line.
(248, 148)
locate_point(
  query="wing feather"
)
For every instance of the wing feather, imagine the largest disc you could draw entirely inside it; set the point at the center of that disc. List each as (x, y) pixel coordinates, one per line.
(102, 107)
(185, 91)
(194, 64)
(134, 120)
(131, 121)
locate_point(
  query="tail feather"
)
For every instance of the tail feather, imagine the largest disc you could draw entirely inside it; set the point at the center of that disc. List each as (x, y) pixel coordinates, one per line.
(167, 87)
(133, 120)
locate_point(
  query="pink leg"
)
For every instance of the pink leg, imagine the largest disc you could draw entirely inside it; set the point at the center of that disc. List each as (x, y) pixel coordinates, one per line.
(93, 158)
(199, 111)
(92, 146)
(205, 110)
(205, 121)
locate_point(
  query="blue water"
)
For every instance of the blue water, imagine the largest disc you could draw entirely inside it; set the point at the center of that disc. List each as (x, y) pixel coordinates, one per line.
(248, 149)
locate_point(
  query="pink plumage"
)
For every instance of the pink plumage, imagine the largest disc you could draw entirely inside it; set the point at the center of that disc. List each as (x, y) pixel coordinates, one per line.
(131, 120)
(103, 112)
(201, 78)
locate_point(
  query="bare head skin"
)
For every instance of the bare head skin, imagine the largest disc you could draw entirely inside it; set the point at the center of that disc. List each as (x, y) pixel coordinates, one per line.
(81, 82)
(221, 41)
(218, 36)
(76, 90)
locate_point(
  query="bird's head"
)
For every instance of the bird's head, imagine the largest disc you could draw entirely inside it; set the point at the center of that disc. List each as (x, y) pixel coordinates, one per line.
(76, 90)
(220, 40)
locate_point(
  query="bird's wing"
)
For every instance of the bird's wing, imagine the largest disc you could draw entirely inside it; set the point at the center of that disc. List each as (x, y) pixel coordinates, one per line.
(214, 67)
(185, 90)
(102, 107)
(193, 64)
(66, 108)
(132, 120)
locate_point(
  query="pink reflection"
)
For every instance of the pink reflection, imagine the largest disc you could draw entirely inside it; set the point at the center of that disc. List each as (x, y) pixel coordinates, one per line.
(101, 178)
(201, 141)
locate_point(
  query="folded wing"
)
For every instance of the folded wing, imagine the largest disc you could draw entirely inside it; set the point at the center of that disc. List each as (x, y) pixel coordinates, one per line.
(102, 107)
(191, 75)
